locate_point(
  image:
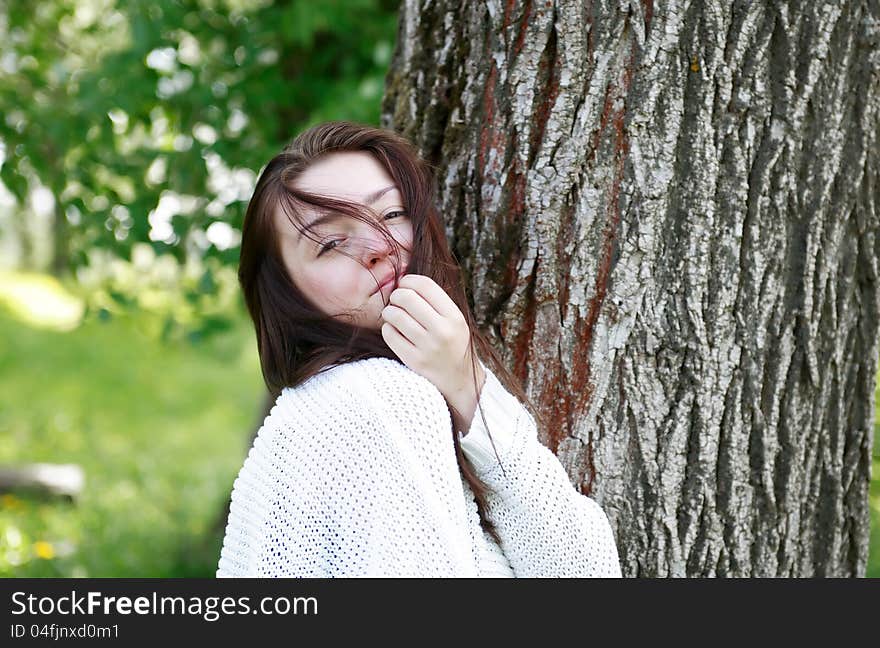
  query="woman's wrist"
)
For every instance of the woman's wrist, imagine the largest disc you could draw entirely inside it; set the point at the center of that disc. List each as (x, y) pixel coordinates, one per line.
(464, 401)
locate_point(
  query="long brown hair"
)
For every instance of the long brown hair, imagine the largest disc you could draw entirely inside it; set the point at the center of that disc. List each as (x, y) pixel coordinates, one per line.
(295, 339)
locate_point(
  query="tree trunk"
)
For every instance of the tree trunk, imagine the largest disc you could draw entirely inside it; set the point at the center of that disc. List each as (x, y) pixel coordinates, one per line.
(60, 263)
(667, 218)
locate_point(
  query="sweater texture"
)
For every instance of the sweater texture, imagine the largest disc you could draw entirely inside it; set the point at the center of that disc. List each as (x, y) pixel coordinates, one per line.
(353, 474)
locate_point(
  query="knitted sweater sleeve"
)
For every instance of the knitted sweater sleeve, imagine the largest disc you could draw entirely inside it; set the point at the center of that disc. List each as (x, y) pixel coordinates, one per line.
(547, 528)
(342, 481)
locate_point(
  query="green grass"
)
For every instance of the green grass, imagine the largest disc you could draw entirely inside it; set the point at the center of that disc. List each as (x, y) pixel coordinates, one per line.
(873, 569)
(160, 430)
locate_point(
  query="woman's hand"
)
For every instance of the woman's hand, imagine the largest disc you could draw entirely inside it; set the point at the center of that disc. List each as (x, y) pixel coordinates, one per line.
(428, 332)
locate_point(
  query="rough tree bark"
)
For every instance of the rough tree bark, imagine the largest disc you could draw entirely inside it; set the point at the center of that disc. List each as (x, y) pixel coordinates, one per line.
(666, 214)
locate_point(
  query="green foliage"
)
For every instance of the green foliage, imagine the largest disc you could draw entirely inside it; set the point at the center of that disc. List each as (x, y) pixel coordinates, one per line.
(148, 120)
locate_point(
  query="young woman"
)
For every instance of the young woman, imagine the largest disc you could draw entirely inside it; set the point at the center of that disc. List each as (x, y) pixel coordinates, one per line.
(392, 448)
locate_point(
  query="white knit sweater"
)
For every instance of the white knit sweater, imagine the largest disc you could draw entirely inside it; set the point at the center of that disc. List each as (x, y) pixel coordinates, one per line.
(353, 473)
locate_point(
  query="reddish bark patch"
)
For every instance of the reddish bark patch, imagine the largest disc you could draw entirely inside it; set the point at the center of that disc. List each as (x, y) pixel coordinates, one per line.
(611, 129)
(512, 214)
(565, 243)
(523, 341)
(586, 485)
(491, 138)
(516, 204)
(556, 397)
(523, 23)
(546, 98)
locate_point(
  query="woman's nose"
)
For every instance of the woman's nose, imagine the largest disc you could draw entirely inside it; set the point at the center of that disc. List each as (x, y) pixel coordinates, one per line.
(376, 247)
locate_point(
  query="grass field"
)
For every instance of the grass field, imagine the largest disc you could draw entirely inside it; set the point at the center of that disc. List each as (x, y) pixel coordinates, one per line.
(161, 431)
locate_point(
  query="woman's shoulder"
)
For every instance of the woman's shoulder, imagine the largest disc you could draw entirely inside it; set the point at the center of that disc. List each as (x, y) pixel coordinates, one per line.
(333, 416)
(372, 381)
(350, 402)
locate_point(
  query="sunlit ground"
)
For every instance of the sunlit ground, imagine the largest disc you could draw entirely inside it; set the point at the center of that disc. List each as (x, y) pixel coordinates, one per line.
(39, 301)
(160, 431)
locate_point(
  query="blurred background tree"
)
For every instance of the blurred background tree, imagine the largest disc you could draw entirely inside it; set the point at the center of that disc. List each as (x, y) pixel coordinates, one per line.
(133, 133)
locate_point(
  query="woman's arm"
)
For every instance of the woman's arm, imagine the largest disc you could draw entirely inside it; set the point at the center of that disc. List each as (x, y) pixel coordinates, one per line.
(547, 528)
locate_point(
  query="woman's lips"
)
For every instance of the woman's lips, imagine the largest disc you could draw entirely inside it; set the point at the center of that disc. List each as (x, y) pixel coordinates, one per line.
(389, 282)
(388, 285)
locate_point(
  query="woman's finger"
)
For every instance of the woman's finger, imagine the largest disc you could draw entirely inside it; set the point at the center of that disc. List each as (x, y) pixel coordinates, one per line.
(432, 294)
(398, 343)
(419, 309)
(404, 323)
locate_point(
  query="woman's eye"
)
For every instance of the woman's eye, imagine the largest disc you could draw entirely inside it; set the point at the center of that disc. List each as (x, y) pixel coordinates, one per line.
(332, 244)
(329, 246)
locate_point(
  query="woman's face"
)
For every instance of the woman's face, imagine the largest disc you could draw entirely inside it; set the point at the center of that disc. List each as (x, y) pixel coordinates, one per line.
(333, 281)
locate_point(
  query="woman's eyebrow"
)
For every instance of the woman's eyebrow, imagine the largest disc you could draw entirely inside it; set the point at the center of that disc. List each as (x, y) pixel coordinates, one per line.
(373, 197)
(325, 218)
